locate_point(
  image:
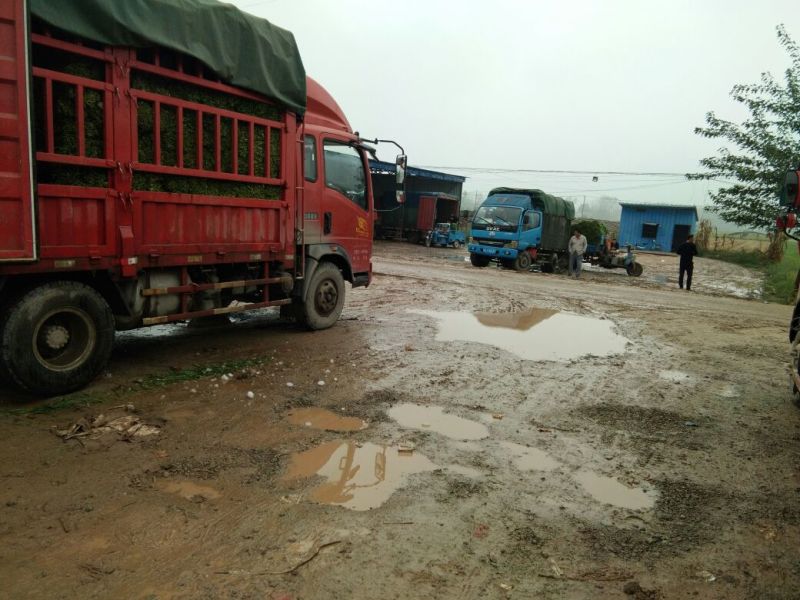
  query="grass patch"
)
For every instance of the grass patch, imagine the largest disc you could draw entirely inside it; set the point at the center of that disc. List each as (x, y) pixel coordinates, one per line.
(59, 403)
(752, 259)
(149, 382)
(779, 277)
(779, 286)
(198, 372)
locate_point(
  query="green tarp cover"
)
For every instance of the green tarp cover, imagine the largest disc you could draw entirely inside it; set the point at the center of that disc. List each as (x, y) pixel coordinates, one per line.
(549, 204)
(241, 49)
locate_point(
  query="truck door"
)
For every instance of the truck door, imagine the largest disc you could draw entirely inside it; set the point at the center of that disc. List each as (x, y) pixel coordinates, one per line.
(426, 214)
(17, 223)
(345, 212)
(531, 231)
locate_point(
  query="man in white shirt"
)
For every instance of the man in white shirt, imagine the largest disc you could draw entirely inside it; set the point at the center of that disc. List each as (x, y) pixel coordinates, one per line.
(577, 248)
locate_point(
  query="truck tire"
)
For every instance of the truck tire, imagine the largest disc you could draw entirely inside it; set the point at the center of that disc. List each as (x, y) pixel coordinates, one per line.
(56, 338)
(634, 270)
(456, 244)
(522, 262)
(324, 299)
(478, 260)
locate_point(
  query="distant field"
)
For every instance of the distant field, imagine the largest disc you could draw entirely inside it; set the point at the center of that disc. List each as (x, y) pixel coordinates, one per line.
(739, 243)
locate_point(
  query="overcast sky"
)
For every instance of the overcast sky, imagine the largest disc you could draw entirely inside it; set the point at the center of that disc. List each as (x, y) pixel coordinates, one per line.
(590, 86)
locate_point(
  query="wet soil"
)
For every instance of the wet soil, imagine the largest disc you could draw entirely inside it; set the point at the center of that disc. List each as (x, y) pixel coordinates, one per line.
(665, 468)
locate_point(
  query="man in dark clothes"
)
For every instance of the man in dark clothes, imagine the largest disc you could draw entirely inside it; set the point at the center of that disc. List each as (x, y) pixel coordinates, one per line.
(687, 251)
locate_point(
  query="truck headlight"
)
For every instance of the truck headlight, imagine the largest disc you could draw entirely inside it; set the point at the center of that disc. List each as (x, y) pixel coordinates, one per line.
(471, 240)
(513, 244)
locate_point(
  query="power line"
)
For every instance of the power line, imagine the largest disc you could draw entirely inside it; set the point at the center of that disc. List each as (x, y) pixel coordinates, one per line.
(559, 171)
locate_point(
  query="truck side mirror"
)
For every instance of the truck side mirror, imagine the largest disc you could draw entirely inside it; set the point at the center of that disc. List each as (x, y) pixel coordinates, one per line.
(526, 220)
(401, 164)
(791, 189)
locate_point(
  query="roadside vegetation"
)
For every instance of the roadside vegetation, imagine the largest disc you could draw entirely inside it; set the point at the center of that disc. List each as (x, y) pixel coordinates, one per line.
(752, 250)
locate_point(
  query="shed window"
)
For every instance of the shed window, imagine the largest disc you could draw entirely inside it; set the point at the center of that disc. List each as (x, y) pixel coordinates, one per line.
(650, 230)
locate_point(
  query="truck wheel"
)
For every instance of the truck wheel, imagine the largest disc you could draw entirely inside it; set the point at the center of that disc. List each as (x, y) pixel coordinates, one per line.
(478, 260)
(325, 298)
(57, 338)
(428, 241)
(456, 244)
(523, 261)
(634, 270)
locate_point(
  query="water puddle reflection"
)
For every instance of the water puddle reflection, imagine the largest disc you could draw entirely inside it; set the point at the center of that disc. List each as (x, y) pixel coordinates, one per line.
(533, 334)
(358, 477)
(675, 376)
(465, 471)
(191, 491)
(530, 459)
(320, 418)
(433, 418)
(610, 491)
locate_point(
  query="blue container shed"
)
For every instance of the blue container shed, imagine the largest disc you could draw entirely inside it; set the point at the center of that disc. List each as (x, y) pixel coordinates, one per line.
(656, 226)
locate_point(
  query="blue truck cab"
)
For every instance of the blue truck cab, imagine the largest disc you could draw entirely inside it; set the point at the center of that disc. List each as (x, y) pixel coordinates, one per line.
(520, 227)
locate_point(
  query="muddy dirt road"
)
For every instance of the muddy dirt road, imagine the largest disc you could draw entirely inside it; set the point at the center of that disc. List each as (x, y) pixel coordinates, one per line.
(461, 433)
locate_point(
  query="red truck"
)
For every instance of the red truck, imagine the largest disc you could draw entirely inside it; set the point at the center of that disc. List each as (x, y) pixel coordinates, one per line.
(163, 161)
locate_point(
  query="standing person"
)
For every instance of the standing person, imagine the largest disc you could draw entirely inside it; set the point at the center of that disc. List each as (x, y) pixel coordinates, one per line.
(687, 251)
(577, 248)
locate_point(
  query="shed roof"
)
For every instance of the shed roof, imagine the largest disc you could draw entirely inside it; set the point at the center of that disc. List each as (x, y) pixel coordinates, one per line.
(669, 206)
(379, 167)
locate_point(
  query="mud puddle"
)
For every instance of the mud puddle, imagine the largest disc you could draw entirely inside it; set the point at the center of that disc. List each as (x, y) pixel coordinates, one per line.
(320, 418)
(190, 490)
(357, 476)
(433, 418)
(675, 376)
(530, 459)
(533, 334)
(610, 491)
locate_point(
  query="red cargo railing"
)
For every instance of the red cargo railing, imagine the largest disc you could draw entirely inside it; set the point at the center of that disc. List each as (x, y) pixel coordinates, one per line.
(46, 79)
(147, 153)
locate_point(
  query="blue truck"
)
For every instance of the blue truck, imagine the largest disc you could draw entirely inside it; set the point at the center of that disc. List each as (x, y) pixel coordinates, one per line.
(520, 227)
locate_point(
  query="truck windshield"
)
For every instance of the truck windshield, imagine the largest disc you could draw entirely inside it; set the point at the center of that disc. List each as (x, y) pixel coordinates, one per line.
(344, 171)
(497, 218)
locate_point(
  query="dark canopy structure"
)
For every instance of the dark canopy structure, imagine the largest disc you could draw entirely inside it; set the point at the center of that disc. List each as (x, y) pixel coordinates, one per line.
(241, 49)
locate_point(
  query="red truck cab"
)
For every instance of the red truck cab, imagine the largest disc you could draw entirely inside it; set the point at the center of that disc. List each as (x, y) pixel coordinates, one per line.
(139, 186)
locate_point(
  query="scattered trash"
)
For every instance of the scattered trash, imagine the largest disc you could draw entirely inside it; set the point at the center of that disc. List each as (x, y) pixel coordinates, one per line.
(250, 395)
(225, 379)
(554, 567)
(690, 424)
(506, 587)
(409, 348)
(481, 531)
(709, 577)
(320, 382)
(289, 384)
(498, 416)
(405, 449)
(128, 426)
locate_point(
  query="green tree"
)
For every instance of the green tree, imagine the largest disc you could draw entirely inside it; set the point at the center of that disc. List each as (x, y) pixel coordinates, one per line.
(764, 145)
